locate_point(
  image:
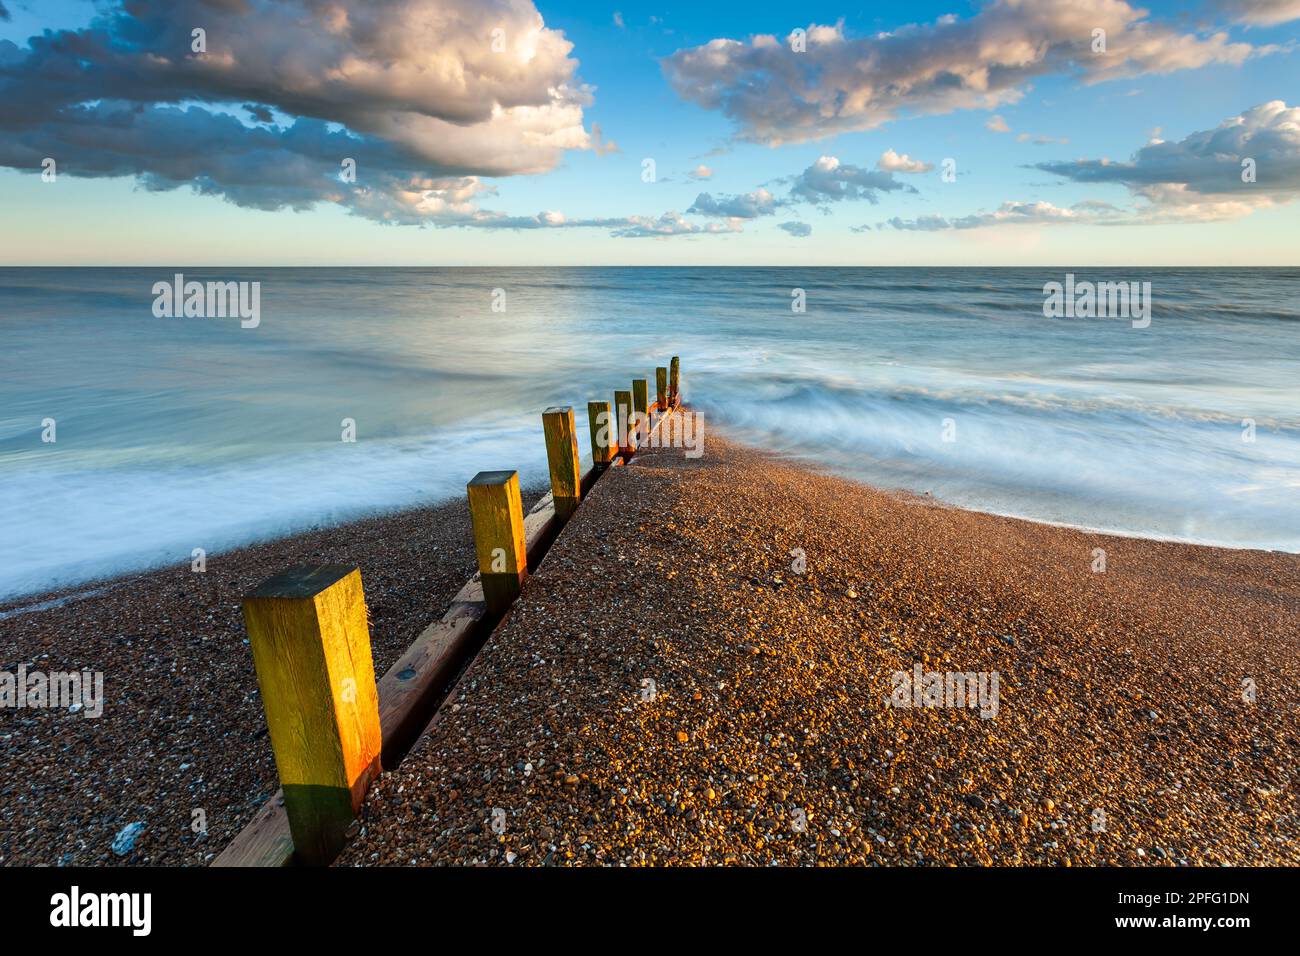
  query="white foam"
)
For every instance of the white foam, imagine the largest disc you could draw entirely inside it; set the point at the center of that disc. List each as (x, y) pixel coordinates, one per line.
(65, 527)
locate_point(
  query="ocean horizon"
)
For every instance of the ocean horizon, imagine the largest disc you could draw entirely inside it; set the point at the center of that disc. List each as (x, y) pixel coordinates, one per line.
(176, 433)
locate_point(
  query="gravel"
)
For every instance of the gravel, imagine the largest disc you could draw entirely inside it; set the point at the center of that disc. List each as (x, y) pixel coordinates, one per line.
(674, 688)
(182, 741)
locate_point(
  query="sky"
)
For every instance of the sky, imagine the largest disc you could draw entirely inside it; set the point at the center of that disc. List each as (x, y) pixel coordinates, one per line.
(530, 132)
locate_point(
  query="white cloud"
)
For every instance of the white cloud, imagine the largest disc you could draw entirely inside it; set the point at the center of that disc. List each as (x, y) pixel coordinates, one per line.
(701, 172)
(1261, 12)
(997, 124)
(829, 180)
(891, 161)
(1011, 213)
(745, 206)
(408, 88)
(841, 84)
(669, 224)
(1200, 177)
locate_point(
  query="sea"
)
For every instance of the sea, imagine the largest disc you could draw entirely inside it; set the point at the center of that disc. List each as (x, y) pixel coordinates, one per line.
(129, 438)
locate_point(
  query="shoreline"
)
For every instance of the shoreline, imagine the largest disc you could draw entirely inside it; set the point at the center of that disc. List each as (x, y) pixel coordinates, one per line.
(26, 602)
(798, 461)
(1122, 735)
(183, 728)
(34, 602)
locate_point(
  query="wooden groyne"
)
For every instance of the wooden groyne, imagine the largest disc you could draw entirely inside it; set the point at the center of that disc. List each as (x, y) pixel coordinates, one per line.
(333, 728)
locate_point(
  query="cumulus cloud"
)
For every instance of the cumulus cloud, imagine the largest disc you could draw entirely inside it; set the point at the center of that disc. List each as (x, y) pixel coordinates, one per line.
(1200, 177)
(997, 124)
(841, 83)
(800, 230)
(891, 161)
(829, 180)
(1011, 213)
(744, 206)
(1246, 163)
(825, 181)
(701, 172)
(415, 91)
(1260, 12)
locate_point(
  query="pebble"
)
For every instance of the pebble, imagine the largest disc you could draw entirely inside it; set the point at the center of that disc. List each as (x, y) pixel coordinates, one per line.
(124, 842)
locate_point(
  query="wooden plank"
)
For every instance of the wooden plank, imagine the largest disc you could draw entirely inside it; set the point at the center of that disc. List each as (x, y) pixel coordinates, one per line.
(496, 511)
(535, 562)
(310, 639)
(661, 389)
(562, 459)
(407, 700)
(424, 671)
(674, 381)
(622, 415)
(641, 396)
(601, 424)
(265, 841)
(640, 410)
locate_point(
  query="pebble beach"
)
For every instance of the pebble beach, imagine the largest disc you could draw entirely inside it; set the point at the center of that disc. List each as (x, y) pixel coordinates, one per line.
(701, 673)
(704, 671)
(183, 739)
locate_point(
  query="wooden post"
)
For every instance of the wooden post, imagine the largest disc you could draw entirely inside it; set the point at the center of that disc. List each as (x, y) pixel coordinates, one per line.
(310, 638)
(641, 409)
(674, 380)
(497, 514)
(661, 389)
(562, 456)
(603, 445)
(623, 411)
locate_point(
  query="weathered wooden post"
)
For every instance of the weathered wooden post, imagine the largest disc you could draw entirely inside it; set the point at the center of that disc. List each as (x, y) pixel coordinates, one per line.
(603, 444)
(622, 412)
(661, 389)
(640, 410)
(497, 513)
(310, 638)
(562, 456)
(674, 380)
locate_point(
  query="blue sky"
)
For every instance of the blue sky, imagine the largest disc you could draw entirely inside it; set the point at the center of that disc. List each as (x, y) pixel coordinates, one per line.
(1179, 203)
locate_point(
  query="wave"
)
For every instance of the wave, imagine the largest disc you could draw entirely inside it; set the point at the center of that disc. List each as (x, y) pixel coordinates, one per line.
(68, 526)
(1110, 464)
(175, 435)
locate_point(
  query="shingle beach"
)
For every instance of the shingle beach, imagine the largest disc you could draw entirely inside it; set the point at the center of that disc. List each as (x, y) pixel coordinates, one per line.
(704, 670)
(183, 729)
